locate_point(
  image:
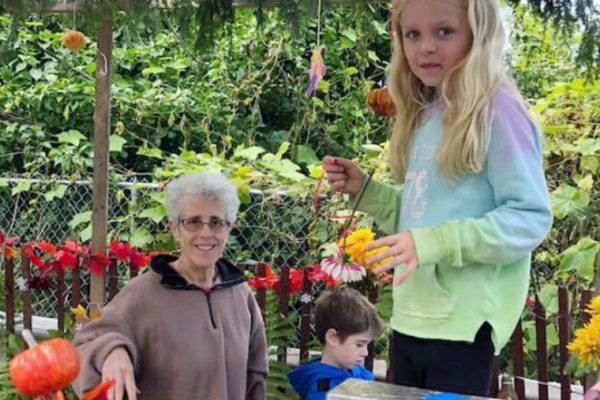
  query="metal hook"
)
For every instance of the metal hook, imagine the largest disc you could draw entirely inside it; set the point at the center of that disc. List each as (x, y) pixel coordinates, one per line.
(105, 64)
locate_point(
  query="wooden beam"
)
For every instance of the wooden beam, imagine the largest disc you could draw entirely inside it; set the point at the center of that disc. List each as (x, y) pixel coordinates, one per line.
(71, 6)
(101, 137)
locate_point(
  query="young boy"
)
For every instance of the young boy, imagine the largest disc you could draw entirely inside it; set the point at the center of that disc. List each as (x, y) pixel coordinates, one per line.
(345, 324)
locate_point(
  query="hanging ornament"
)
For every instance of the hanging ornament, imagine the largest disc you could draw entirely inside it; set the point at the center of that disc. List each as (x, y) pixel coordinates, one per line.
(317, 70)
(74, 40)
(317, 65)
(381, 102)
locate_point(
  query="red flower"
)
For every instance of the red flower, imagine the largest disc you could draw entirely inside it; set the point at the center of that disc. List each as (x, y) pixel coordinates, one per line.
(98, 263)
(268, 281)
(316, 274)
(65, 260)
(122, 251)
(138, 260)
(29, 250)
(45, 246)
(119, 250)
(11, 241)
(296, 281)
(75, 247)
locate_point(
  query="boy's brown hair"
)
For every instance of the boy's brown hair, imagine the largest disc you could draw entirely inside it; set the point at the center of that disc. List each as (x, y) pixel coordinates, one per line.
(348, 312)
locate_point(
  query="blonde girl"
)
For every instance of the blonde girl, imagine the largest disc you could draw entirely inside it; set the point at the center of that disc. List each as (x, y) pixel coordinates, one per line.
(472, 204)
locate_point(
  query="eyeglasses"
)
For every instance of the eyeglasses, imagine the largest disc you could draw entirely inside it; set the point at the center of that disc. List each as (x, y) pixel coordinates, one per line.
(195, 224)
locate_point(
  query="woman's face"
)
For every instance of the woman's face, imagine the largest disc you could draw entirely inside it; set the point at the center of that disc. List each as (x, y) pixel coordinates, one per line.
(201, 232)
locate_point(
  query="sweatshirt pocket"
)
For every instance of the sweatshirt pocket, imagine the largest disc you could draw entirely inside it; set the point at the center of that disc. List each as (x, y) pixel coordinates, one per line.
(421, 295)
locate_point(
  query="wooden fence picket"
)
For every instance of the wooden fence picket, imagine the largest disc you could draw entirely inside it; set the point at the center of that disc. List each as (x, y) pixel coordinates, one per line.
(305, 317)
(9, 294)
(113, 279)
(26, 294)
(541, 349)
(518, 359)
(284, 306)
(60, 300)
(563, 341)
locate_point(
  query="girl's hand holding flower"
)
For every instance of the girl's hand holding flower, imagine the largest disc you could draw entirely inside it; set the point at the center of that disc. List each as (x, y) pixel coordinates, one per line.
(400, 250)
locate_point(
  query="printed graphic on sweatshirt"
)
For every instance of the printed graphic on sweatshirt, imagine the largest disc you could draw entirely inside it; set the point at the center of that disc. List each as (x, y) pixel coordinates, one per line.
(416, 200)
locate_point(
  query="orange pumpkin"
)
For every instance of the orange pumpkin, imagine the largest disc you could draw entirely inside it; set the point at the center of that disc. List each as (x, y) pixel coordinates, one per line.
(74, 40)
(381, 102)
(45, 368)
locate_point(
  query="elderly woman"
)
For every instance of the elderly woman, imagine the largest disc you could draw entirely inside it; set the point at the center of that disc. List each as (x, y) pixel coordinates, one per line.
(189, 328)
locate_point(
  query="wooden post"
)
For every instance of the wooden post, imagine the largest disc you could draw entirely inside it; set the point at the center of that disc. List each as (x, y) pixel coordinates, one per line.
(101, 137)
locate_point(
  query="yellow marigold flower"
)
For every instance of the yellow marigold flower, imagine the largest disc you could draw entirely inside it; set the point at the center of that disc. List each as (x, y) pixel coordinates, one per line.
(373, 253)
(594, 306)
(354, 246)
(586, 345)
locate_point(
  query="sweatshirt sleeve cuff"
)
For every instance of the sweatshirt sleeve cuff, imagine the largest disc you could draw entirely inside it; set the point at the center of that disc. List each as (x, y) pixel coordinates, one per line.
(109, 342)
(430, 245)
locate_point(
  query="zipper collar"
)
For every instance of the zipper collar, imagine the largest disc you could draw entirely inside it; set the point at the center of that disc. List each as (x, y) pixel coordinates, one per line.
(230, 275)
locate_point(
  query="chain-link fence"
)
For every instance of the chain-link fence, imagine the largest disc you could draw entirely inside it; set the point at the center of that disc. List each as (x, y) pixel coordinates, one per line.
(273, 227)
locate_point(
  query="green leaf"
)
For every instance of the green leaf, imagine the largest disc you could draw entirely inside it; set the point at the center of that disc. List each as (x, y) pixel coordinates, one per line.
(349, 34)
(156, 214)
(35, 73)
(351, 71)
(567, 200)
(22, 186)
(140, 238)
(372, 56)
(116, 143)
(588, 146)
(178, 65)
(86, 234)
(323, 86)
(250, 153)
(66, 112)
(590, 163)
(57, 193)
(152, 70)
(71, 136)
(282, 149)
(80, 218)
(548, 296)
(306, 155)
(315, 170)
(150, 152)
(372, 150)
(3, 182)
(579, 257)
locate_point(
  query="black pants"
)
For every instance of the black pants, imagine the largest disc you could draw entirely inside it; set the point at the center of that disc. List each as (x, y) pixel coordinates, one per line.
(444, 365)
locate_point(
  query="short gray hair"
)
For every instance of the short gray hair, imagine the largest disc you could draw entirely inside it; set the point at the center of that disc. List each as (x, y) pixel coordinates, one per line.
(211, 185)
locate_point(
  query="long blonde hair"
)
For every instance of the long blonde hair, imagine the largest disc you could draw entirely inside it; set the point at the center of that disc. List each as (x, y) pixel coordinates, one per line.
(466, 94)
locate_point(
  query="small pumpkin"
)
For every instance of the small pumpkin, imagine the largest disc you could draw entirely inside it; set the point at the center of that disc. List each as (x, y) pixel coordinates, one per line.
(74, 40)
(45, 368)
(381, 102)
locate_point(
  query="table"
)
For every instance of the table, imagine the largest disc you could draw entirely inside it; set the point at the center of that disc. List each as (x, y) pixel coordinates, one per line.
(357, 389)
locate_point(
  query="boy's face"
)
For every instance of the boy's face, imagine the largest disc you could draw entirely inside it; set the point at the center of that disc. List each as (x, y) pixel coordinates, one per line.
(350, 353)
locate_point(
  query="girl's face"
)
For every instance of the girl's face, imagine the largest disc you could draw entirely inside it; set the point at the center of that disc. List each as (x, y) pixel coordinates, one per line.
(435, 36)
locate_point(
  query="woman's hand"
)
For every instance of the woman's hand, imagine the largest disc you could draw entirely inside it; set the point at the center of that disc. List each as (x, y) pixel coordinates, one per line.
(118, 366)
(400, 250)
(343, 175)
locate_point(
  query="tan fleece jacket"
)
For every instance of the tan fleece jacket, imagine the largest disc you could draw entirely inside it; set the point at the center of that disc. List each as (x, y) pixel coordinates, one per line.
(185, 344)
